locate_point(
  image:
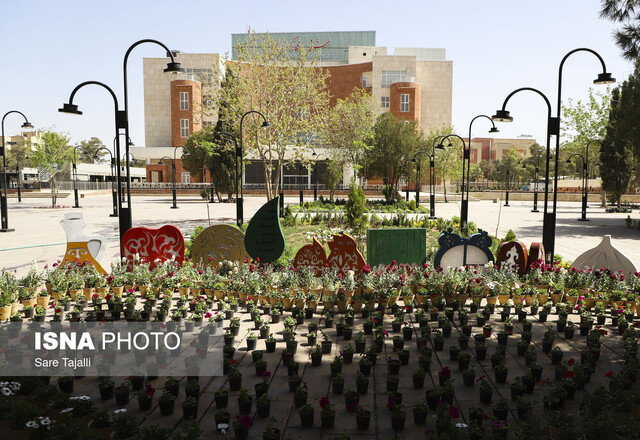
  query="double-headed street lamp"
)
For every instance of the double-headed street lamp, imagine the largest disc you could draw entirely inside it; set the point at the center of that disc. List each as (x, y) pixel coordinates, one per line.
(536, 163)
(239, 154)
(553, 129)
(432, 196)
(585, 178)
(316, 158)
(114, 192)
(466, 159)
(4, 212)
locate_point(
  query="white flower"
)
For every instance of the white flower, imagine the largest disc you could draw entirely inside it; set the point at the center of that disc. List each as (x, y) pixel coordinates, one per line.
(120, 411)
(66, 410)
(45, 421)
(32, 424)
(461, 425)
(6, 392)
(223, 427)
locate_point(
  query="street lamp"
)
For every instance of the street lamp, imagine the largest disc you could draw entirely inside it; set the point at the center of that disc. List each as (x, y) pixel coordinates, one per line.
(114, 192)
(4, 212)
(75, 177)
(19, 175)
(239, 154)
(508, 183)
(173, 169)
(464, 146)
(466, 159)
(120, 122)
(172, 67)
(316, 158)
(585, 178)
(536, 162)
(173, 180)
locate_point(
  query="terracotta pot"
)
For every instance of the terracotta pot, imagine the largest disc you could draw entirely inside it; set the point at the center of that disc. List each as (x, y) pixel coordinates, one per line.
(43, 301)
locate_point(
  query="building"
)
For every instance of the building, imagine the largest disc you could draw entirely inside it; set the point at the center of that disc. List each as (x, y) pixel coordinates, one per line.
(412, 83)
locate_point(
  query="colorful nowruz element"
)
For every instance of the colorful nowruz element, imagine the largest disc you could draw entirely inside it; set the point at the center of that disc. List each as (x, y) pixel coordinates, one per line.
(311, 255)
(605, 255)
(264, 239)
(154, 244)
(345, 255)
(512, 254)
(82, 247)
(536, 252)
(218, 243)
(456, 251)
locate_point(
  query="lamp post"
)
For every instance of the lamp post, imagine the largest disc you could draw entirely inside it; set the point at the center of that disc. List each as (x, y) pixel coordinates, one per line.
(432, 176)
(239, 154)
(536, 162)
(301, 187)
(173, 172)
(508, 183)
(464, 147)
(20, 174)
(75, 178)
(173, 178)
(585, 178)
(466, 159)
(114, 192)
(316, 158)
(120, 122)
(4, 212)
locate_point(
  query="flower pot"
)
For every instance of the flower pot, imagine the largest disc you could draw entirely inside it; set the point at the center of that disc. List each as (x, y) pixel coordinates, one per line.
(190, 412)
(362, 421)
(486, 395)
(264, 410)
(166, 407)
(362, 387)
(419, 416)
(245, 406)
(251, 344)
(397, 423)
(306, 419)
(328, 420)
(222, 400)
(270, 346)
(144, 403)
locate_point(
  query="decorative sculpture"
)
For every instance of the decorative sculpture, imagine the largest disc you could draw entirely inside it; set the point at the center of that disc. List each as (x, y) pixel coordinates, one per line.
(154, 244)
(82, 247)
(345, 255)
(312, 255)
(218, 243)
(607, 256)
(512, 253)
(264, 238)
(536, 253)
(455, 251)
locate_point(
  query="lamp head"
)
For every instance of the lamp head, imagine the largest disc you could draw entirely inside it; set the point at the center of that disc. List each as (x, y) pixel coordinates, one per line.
(502, 116)
(27, 124)
(494, 130)
(524, 165)
(174, 68)
(413, 159)
(70, 108)
(604, 78)
(440, 146)
(266, 124)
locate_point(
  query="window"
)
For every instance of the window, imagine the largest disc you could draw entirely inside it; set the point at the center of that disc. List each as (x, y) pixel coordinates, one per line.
(391, 76)
(184, 128)
(385, 102)
(186, 177)
(363, 82)
(184, 100)
(404, 103)
(207, 123)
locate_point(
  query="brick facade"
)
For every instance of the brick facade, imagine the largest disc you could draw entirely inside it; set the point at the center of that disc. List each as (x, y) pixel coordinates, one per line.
(191, 114)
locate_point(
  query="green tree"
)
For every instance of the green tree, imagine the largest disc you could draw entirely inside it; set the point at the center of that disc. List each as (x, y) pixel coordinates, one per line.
(332, 177)
(394, 144)
(89, 150)
(448, 162)
(21, 152)
(52, 155)
(627, 13)
(288, 89)
(616, 156)
(354, 209)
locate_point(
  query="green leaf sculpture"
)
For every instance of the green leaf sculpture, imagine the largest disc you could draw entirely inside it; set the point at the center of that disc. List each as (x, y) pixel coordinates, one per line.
(264, 238)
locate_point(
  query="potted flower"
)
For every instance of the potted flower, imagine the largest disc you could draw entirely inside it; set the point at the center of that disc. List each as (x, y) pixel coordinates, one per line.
(501, 409)
(306, 415)
(167, 401)
(398, 417)
(263, 405)
(190, 408)
(420, 410)
(327, 414)
(486, 391)
(300, 396)
(221, 398)
(145, 398)
(123, 393)
(106, 387)
(124, 425)
(363, 417)
(337, 384)
(271, 432)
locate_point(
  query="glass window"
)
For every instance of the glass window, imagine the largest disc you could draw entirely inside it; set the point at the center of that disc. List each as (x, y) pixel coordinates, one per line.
(184, 128)
(184, 100)
(186, 177)
(385, 102)
(404, 103)
(391, 76)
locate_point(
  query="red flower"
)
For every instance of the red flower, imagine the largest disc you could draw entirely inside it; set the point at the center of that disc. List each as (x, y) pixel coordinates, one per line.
(485, 416)
(245, 421)
(571, 362)
(454, 412)
(568, 374)
(352, 407)
(445, 372)
(324, 402)
(544, 382)
(487, 332)
(609, 373)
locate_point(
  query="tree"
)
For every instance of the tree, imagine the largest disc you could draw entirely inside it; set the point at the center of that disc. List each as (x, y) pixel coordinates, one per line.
(332, 177)
(17, 152)
(349, 127)
(89, 150)
(394, 144)
(616, 156)
(288, 89)
(354, 209)
(52, 156)
(626, 12)
(509, 164)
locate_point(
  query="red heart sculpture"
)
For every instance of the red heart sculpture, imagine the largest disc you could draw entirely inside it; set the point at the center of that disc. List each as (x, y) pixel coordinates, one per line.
(153, 244)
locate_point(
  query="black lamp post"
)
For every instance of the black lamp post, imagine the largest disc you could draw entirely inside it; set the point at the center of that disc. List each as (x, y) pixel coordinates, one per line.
(316, 158)
(466, 159)
(239, 154)
(75, 178)
(464, 147)
(536, 162)
(19, 175)
(585, 179)
(4, 212)
(173, 179)
(432, 176)
(301, 186)
(120, 123)
(173, 171)
(114, 192)
(508, 184)
(172, 67)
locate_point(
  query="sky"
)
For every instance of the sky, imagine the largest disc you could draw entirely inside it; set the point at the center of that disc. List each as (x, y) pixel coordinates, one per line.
(496, 46)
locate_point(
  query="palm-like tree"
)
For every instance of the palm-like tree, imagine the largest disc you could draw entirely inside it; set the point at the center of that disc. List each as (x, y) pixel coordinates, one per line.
(626, 12)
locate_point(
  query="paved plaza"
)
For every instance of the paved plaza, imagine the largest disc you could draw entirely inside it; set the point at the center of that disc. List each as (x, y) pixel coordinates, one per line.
(39, 236)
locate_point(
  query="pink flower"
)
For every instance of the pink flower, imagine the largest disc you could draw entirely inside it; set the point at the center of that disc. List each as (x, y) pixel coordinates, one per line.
(454, 412)
(150, 391)
(324, 402)
(246, 421)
